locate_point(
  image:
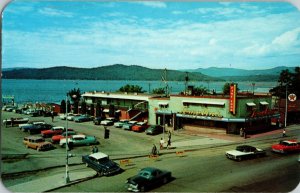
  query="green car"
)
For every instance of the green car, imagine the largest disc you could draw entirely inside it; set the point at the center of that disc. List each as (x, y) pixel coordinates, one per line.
(79, 140)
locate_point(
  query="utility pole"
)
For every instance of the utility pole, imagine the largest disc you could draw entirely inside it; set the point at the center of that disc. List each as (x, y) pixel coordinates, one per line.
(67, 178)
(285, 114)
(186, 82)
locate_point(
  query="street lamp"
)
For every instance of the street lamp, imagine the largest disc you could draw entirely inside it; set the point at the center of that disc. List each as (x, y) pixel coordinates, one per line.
(253, 85)
(67, 177)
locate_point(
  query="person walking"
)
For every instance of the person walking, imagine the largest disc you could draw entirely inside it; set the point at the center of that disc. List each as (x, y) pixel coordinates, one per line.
(154, 150)
(52, 116)
(169, 142)
(161, 142)
(95, 149)
(283, 133)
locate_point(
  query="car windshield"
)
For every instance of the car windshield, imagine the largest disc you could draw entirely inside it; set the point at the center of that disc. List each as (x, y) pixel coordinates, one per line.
(144, 174)
(103, 160)
(242, 148)
(284, 143)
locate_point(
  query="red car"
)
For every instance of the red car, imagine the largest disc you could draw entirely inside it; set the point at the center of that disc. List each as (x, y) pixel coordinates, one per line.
(57, 138)
(140, 127)
(286, 146)
(54, 131)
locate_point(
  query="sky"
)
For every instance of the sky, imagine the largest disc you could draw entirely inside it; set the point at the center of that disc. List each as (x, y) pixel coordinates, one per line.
(153, 34)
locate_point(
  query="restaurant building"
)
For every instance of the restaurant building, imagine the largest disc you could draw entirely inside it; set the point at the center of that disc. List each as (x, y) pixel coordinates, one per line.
(252, 112)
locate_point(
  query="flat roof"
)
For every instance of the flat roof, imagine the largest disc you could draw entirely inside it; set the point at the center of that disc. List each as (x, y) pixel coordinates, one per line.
(129, 96)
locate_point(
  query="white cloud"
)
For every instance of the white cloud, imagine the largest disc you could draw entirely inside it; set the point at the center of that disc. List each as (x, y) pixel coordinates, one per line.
(54, 12)
(154, 4)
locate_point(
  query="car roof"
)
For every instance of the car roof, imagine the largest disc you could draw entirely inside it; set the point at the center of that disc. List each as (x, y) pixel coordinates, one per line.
(290, 141)
(98, 155)
(34, 137)
(79, 135)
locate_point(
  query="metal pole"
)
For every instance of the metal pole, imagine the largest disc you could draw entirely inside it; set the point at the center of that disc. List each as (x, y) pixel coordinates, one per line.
(67, 157)
(285, 114)
(164, 126)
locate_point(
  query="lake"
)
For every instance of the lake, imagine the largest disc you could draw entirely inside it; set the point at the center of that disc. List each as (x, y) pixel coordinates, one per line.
(55, 90)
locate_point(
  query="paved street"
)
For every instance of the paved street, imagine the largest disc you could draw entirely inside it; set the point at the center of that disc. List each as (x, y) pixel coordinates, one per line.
(202, 167)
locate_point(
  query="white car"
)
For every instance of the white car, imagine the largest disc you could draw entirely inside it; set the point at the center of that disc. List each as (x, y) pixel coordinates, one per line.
(245, 152)
(120, 123)
(108, 121)
(71, 117)
(30, 123)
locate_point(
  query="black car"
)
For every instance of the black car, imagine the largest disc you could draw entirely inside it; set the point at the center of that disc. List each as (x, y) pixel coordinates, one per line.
(35, 129)
(101, 163)
(148, 178)
(97, 120)
(154, 130)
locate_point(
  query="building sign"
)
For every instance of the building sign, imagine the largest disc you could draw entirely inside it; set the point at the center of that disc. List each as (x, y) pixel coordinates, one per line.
(292, 97)
(232, 98)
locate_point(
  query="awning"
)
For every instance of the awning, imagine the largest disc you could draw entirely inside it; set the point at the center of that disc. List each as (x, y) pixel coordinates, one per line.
(251, 104)
(205, 102)
(264, 103)
(163, 103)
(105, 110)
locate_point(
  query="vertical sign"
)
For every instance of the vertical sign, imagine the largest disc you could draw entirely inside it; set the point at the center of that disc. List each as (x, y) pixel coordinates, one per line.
(232, 98)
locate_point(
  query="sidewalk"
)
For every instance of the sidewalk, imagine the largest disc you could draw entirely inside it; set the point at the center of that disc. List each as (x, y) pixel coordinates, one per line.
(51, 182)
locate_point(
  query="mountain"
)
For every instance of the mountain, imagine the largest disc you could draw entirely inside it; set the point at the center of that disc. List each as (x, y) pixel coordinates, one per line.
(234, 72)
(110, 72)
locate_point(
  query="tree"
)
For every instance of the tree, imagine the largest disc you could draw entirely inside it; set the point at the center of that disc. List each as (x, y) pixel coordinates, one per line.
(287, 80)
(75, 96)
(98, 110)
(159, 91)
(63, 106)
(83, 107)
(92, 112)
(226, 88)
(131, 88)
(198, 91)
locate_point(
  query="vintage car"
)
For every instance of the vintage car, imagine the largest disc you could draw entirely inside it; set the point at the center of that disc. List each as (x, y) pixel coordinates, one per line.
(31, 123)
(120, 123)
(286, 146)
(16, 121)
(64, 116)
(57, 138)
(243, 152)
(97, 120)
(71, 117)
(128, 126)
(57, 130)
(79, 140)
(37, 142)
(101, 163)
(140, 127)
(37, 128)
(108, 121)
(82, 118)
(154, 130)
(148, 178)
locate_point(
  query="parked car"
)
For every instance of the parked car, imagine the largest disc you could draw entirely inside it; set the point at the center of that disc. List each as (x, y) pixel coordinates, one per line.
(38, 128)
(37, 142)
(120, 123)
(97, 120)
(108, 121)
(147, 179)
(82, 118)
(286, 146)
(26, 127)
(128, 126)
(140, 127)
(71, 117)
(154, 130)
(31, 123)
(101, 163)
(79, 140)
(64, 116)
(57, 138)
(57, 130)
(16, 121)
(243, 152)
(29, 111)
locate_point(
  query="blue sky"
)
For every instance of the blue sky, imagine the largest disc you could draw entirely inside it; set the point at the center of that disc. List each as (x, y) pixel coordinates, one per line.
(173, 35)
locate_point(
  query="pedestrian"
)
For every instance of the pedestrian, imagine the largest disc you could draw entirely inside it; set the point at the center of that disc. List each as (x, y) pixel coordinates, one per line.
(241, 132)
(95, 149)
(245, 134)
(169, 142)
(52, 116)
(12, 121)
(161, 142)
(169, 134)
(283, 133)
(154, 150)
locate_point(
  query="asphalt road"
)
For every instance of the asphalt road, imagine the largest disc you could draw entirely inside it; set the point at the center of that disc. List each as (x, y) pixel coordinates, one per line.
(203, 170)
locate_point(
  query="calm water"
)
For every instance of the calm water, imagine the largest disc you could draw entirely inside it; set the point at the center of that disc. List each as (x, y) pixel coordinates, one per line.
(55, 90)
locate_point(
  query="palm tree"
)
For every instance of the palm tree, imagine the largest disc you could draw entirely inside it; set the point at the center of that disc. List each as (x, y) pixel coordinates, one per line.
(75, 96)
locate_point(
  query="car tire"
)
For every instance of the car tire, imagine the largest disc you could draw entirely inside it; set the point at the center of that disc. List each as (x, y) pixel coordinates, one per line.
(165, 180)
(100, 173)
(142, 189)
(239, 159)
